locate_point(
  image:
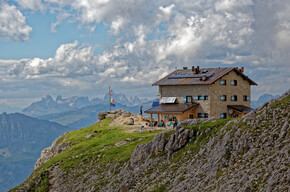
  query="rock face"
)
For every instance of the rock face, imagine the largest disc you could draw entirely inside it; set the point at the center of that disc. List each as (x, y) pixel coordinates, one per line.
(247, 154)
(56, 148)
(161, 143)
(113, 114)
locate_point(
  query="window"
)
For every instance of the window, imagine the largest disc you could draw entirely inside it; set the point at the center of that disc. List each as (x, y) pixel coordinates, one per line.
(246, 98)
(196, 97)
(234, 98)
(223, 82)
(223, 97)
(223, 115)
(191, 116)
(172, 118)
(202, 115)
(188, 99)
(234, 82)
(204, 97)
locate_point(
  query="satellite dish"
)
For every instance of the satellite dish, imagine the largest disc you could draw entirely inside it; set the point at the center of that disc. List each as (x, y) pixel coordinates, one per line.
(231, 111)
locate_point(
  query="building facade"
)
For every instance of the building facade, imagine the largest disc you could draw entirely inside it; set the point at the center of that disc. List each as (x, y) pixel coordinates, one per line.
(203, 93)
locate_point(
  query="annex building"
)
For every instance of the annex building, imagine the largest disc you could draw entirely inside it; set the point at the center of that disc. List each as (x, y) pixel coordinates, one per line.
(203, 93)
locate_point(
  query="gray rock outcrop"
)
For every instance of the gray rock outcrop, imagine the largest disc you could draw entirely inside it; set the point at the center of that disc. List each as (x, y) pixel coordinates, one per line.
(56, 148)
(113, 114)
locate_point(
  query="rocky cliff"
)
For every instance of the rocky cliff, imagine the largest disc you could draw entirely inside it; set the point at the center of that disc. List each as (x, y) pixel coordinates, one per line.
(247, 154)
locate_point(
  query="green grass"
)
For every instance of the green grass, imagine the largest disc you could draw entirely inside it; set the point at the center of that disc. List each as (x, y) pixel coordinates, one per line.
(101, 148)
(159, 188)
(102, 143)
(284, 103)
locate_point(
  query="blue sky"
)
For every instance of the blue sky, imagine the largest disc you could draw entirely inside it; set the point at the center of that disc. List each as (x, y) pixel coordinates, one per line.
(80, 47)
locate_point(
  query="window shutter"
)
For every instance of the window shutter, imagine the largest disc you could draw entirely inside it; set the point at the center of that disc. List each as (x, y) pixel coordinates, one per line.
(184, 99)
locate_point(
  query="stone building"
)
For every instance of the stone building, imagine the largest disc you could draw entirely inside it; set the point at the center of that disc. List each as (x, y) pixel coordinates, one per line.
(203, 93)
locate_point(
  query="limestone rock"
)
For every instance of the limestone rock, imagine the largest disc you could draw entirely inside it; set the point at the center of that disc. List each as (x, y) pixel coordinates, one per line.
(130, 122)
(50, 152)
(89, 136)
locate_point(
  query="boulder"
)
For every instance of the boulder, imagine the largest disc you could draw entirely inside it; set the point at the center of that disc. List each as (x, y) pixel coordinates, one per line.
(112, 116)
(126, 114)
(102, 115)
(131, 121)
(89, 136)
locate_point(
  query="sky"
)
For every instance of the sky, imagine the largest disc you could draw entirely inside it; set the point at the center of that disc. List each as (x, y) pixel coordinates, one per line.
(80, 47)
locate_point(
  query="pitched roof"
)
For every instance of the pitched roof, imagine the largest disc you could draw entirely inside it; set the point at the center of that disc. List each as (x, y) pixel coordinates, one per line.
(240, 108)
(172, 108)
(186, 76)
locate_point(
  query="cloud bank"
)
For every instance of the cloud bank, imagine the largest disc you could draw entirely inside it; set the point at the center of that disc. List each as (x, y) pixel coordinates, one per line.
(152, 39)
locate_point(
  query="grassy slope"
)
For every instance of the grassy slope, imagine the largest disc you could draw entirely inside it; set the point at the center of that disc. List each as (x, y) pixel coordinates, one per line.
(101, 145)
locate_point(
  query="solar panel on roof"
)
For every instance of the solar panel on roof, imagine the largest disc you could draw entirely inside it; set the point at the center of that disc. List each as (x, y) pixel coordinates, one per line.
(189, 76)
(168, 100)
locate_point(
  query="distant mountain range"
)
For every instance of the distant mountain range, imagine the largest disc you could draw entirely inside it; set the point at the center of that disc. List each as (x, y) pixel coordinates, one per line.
(85, 116)
(262, 99)
(22, 139)
(78, 112)
(48, 105)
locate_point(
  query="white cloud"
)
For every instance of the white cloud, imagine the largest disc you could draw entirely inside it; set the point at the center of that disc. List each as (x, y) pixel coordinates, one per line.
(12, 24)
(117, 25)
(166, 11)
(152, 38)
(31, 4)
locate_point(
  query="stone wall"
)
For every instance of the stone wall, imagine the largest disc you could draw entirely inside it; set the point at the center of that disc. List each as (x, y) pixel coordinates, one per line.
(216, 90)
(180, 91)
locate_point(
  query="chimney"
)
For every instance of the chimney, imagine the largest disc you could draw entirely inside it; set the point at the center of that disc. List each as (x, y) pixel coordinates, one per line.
(184, 68)
(242, 69)
(192, 68)
(197, 69)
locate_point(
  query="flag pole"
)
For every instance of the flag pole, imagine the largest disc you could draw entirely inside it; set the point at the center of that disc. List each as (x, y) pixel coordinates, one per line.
(110, 97)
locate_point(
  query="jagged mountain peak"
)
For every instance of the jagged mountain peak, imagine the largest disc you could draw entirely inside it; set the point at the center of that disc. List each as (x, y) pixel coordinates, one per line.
(48, 97)
(58, 99)
(48, 106)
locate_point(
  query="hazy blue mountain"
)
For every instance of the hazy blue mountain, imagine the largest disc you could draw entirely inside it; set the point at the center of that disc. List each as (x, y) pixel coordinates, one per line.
(48, 105)
(85, 116)
(262, 99)
(22, 139)
(125, 100)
